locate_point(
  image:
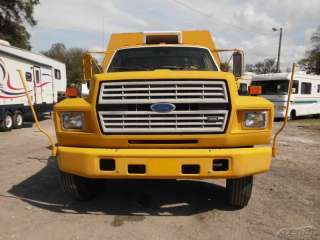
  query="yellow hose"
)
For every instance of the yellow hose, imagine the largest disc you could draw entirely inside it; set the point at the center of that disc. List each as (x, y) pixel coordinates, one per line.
(52, 143)
(274, 145)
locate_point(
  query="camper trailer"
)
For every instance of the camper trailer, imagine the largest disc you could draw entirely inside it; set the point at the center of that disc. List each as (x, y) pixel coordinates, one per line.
(244, 82)
(305, 98)
(46, 80)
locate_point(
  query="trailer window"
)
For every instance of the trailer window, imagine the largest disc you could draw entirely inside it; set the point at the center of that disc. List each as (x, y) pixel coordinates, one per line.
(153, 58)
(28, 76)
(243, 89)
(57, 74)
(318, 90)
(2, 73)
(295, 87)
(37, 76)
(273, 87)
(306, 88)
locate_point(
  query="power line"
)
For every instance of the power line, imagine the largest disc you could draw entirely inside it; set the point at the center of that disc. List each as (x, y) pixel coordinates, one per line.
(216, 19)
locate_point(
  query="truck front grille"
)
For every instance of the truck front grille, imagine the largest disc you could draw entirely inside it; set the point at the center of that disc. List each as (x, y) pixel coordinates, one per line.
(202, 106)
(164, 91)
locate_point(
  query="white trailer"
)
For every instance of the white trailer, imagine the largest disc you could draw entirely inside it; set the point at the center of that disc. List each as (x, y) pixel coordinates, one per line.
(46, 80)
(244, 82)
(305, 98)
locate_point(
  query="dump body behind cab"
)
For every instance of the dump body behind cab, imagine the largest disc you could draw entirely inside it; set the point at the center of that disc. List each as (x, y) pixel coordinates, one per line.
(158, 120)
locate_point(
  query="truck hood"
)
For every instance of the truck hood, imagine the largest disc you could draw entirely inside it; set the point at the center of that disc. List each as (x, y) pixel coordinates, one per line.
(164, 74)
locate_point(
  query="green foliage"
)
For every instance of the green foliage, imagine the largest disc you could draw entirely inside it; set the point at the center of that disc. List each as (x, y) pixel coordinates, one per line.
(224, 66)
(267, 66)
(72, 57)
(13, 15)
(311, 64)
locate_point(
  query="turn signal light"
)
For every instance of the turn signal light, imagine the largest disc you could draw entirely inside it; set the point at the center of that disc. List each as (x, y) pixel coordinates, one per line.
(255, 90)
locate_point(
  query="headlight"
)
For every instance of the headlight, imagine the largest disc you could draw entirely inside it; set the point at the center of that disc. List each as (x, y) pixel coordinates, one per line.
(255, 119)
(72, 120)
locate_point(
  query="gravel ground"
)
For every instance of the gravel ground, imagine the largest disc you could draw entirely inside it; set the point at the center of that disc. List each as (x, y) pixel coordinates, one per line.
(285, 203)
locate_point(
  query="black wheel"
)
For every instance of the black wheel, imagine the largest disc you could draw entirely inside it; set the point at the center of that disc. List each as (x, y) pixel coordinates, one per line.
(18, 119)
(239, 191)
(80, 188)
(7, 123)
(293, 115)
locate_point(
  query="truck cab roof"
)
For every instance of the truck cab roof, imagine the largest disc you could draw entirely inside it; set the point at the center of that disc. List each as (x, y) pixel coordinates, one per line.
(193, 38)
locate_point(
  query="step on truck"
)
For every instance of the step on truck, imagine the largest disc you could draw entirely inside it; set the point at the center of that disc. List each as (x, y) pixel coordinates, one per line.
(161, 108)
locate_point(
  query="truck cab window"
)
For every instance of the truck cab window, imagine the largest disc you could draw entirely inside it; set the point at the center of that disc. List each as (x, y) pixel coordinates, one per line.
(28, 76)
(153, 58)
(57, 74)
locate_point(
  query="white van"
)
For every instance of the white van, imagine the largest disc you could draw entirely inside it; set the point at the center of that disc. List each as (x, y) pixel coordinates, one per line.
(46, 79)
(305, 98)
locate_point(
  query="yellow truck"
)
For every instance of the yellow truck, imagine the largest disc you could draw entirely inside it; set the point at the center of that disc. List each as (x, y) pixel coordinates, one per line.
(161, 108)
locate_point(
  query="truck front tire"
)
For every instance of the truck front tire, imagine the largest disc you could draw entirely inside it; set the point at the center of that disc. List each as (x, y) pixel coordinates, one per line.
(80, 188)
(239, 191)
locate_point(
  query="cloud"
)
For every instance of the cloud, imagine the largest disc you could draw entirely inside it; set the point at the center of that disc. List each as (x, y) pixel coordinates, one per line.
(233, 23)
(85, 15)
(253, 19)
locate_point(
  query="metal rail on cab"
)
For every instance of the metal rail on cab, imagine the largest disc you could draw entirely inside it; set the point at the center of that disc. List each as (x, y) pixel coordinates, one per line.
(274, 144)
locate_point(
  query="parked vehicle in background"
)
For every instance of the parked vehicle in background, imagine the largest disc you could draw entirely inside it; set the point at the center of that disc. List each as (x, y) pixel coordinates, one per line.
(46, 80)
(84, 90)
(244, 82)
(305, 99)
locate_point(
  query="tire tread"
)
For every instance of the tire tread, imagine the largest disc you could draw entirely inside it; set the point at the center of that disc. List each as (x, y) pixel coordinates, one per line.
(239, 191)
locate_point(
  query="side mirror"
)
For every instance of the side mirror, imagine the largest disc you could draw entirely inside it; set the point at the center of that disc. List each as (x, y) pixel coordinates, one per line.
(87, 67)
(237, 57)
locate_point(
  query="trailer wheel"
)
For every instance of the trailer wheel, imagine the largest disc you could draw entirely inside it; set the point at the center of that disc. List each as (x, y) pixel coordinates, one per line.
(80, 188)
(18, 119)
(239, 191)
(293, 115)
(7, 123)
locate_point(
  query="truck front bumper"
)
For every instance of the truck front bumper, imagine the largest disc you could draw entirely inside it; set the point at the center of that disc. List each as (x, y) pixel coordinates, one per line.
(163, 163)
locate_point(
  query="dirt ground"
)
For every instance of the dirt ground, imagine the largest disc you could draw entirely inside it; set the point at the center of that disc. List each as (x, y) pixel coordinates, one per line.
(285, 203)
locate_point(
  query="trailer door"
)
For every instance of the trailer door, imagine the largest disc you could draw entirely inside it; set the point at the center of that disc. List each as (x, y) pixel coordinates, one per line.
(37, 85)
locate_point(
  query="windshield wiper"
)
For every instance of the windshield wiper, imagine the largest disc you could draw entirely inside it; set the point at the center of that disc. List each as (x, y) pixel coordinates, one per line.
(131, 68)
(178, 67)
(168, 67)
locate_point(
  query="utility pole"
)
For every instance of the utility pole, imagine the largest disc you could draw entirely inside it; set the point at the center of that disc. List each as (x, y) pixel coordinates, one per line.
(279, 47)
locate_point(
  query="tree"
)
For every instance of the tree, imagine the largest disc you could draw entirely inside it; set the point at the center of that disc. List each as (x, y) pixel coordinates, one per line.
(71, 57)
(224, 66)
(311, 64)
(13, 15)
(267, 66)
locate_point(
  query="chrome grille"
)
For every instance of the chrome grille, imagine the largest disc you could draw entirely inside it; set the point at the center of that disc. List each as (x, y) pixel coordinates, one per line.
(176, 121)
(124, 106)
(154, 91)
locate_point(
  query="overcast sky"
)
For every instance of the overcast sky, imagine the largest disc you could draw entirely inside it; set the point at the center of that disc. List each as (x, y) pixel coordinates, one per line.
(233, 23)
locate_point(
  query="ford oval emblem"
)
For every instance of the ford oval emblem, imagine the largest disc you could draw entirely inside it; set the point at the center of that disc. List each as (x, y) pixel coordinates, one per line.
(163, 107)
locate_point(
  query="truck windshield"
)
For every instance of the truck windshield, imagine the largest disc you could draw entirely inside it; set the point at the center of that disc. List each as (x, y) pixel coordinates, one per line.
(273, 87)
(152, 58)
